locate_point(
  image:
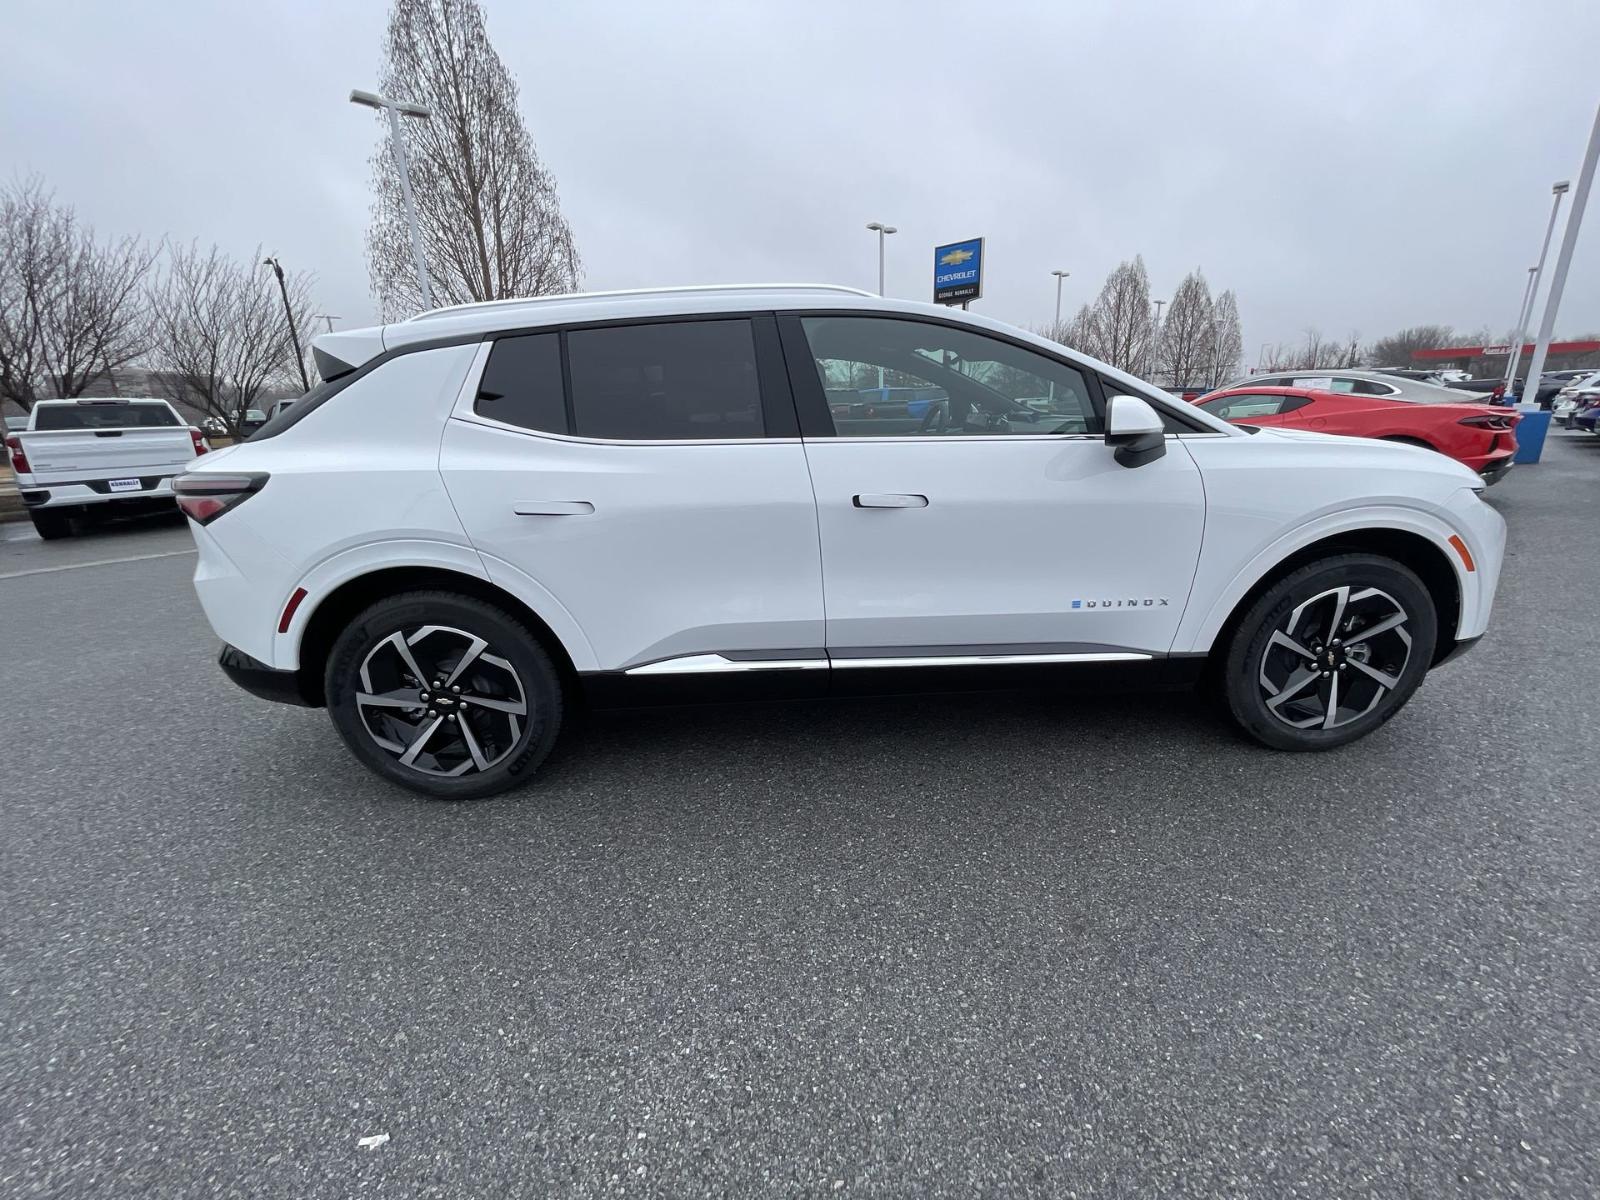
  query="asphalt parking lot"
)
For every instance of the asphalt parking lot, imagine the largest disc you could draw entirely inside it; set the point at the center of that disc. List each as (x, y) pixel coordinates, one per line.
(931, 946)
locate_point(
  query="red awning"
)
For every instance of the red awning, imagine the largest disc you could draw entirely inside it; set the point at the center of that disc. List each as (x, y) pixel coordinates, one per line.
(1492, 351)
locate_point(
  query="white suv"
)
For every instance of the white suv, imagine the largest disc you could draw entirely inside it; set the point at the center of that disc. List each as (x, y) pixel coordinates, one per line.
(487, 514)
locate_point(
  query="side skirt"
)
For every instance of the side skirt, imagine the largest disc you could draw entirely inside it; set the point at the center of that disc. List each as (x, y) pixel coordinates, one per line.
(857, 673)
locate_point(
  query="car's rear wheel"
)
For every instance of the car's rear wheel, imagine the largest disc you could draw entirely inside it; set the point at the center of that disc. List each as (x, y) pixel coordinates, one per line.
(51, 525)
(444, 694)
(1330, 652)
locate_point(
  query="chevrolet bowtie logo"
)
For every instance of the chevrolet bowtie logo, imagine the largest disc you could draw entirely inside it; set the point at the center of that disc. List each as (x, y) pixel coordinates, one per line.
(955, 257)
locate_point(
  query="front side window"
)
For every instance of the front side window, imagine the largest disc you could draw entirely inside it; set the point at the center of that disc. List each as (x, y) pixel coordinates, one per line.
(884, 377)
(672, 381)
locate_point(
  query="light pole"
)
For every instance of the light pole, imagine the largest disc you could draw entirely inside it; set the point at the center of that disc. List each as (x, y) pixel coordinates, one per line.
(1558, 277)
(1060, 275)
(288, 314)
(882, 231)
(396, 109)
(1559, 190)
(330, 318)
(1155, 334)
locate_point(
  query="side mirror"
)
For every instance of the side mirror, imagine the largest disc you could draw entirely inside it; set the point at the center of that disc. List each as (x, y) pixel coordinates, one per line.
(1136, 430)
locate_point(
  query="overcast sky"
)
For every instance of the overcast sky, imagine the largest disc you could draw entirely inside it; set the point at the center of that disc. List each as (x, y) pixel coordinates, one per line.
(1353, 167)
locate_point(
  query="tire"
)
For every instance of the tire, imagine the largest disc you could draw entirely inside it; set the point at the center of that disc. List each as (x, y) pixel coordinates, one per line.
(1411, 441)
(1375, 674)
(51, 525)
(496, 748)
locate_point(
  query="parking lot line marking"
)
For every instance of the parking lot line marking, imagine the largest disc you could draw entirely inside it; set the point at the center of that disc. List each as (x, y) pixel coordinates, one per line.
(97, 562)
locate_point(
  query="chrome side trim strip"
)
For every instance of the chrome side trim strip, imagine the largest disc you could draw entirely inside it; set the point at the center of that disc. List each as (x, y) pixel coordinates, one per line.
(712, 664)
(993, 660)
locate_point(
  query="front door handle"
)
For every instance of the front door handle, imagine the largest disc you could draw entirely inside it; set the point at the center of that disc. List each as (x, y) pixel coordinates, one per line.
(552, 508)
(891, 501)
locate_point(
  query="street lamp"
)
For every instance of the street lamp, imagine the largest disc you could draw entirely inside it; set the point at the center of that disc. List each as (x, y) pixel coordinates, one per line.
(882, 231)
(1060, 275)
(1155, 334)
(397, 109)
(1559, 190)
(288, 313)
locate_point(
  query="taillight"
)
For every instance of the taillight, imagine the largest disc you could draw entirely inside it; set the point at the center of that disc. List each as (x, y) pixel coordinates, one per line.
(1486, 421)
(19, 460)
(203, 498)
(199, 440)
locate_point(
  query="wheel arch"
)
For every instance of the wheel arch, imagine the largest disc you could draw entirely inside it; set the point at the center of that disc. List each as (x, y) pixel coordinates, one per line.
(1420, 553)
(339, 606)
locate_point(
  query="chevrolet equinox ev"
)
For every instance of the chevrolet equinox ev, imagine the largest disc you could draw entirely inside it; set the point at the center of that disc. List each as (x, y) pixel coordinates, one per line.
(489, 514)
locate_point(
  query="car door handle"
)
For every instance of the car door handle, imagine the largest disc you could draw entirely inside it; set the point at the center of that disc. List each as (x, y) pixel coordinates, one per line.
(891, 501)
(552, 508)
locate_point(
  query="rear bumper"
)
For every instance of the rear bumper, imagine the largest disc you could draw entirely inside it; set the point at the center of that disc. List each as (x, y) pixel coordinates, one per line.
(86, 493)
(1494, 470)
(255, 677)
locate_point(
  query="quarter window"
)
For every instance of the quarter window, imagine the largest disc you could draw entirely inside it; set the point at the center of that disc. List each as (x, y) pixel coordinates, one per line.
(893, 378)
(677, 380)
(521, 384)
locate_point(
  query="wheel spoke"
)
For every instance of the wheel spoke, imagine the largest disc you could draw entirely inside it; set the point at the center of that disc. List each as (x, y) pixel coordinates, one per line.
(1342, 597)
(505, 706)
(397, 639)
(477, 647)
(409, 758)
(1383, 677)
(1333, 702)
(1382, 626)
(1296, 684)
(1280, 638)
(478, 759)
(403, 698)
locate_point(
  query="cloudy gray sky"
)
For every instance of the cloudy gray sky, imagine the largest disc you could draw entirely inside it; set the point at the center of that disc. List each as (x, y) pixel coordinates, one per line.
(1353, 167)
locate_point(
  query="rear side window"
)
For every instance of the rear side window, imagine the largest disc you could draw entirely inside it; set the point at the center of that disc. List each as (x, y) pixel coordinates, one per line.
(1371, 387)
(105, 416)
(521, 384)
(1243, 407)
(676, 380)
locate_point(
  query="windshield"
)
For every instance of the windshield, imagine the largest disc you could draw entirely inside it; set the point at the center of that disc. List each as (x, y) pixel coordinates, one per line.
(121, 415)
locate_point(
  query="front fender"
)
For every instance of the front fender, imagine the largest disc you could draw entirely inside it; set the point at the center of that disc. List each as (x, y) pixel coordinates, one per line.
(1203, 621)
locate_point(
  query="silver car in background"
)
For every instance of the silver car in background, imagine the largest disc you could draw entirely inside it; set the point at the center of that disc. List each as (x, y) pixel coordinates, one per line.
(1358, 382)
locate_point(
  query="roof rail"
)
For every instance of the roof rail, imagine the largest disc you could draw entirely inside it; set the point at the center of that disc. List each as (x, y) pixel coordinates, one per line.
(480, 305)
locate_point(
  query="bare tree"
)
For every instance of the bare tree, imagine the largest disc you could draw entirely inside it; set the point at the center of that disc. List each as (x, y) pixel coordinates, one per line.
(1118, 326)
(1227, 339)
(1184, 353)
(488, 211)
(220, 332)
(71, 308)
(1395, 350)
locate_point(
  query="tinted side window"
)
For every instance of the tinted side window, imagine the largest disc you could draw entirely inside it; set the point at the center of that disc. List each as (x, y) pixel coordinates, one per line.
(671, 381)
(521, 384)
(1243, 407)
(885, 377)
(1370, 387)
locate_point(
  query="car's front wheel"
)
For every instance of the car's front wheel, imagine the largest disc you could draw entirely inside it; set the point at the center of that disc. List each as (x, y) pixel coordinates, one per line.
(1330, 652)
(444, 694)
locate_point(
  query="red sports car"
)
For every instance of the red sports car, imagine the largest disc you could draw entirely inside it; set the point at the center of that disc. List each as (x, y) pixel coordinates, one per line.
(1477, 435)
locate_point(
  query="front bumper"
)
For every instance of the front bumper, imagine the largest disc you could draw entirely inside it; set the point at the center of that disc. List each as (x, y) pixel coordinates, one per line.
(255, 677)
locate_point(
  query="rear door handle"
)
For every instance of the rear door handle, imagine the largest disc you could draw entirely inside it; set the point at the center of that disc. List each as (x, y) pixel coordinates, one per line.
(552, 508)
(891, 501)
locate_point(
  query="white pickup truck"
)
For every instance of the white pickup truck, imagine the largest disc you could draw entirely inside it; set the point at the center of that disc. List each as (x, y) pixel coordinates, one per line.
(90, 457)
